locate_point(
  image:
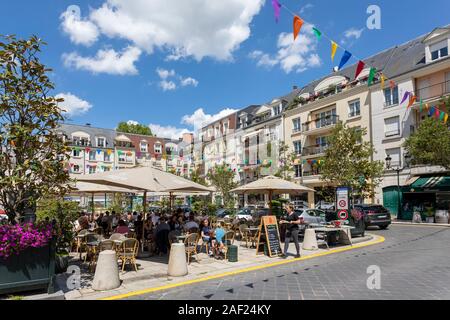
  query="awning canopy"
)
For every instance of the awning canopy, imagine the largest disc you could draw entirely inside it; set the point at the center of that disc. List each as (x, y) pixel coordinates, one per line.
(433, 183)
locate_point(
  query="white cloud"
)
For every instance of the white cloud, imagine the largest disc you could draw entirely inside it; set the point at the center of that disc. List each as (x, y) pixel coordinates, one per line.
(132, 123)
(167, 85)
(298, 55)
(188, 28)
(189, 82)
(306, 7)
(72, 104)
(164, 74)
(106, 61)
(80, 31)
(353, 33)
(200, 119)
(167, 131)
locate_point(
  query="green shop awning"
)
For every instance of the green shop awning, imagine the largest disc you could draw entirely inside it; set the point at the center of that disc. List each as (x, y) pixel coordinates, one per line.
(433, 183)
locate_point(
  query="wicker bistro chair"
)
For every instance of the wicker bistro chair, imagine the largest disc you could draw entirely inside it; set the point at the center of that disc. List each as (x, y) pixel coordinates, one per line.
(104, 245)
(228, 240)
(128, 251)
(244, 234)
(90, 251)
(190, 244)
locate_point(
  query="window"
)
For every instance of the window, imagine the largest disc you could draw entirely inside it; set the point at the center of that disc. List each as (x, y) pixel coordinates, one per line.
(298, 171)
(325, 119)
(395, 155)
(158, 148)
(225, 128)
(392, 126)
(391, 96)
(297, 125)
(92, 155)
(76, 168)
(122, 157)
(440, 53)
(276, 111)
(354, 108)
(76, 153)
(92, 169)
(297, 147)
(143, 146)
(101, 142)
(106, 157)
(321, 141)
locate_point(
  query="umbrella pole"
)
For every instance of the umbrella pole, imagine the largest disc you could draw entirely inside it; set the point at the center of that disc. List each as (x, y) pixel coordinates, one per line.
(144, 202)
(270, 202)
(170, 202)
(93, 207)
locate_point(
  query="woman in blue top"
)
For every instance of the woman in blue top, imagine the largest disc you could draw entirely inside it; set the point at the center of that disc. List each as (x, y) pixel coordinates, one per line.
(219, 234)
(206, 232)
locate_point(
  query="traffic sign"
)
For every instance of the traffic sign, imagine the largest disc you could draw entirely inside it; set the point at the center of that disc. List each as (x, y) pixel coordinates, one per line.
(343, 215)
(342, 204)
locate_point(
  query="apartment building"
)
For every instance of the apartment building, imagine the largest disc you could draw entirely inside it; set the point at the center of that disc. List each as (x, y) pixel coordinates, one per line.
(421, 66)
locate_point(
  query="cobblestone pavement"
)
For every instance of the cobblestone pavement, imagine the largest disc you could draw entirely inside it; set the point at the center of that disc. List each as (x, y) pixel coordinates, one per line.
(414, 263)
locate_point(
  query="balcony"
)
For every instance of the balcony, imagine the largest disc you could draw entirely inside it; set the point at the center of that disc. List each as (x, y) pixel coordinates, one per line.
(434, 92)
(320, 125)
(313, 151)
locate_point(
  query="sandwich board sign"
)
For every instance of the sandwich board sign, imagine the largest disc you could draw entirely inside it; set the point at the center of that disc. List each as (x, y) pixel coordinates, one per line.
(269, 228)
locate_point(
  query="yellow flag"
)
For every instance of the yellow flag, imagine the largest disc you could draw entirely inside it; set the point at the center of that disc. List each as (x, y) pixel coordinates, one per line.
(446, 118)
(334, 47)
(382, 81)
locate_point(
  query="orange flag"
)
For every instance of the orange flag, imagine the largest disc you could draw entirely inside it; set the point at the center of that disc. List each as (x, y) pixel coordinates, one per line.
(411, 101)
(298, 23)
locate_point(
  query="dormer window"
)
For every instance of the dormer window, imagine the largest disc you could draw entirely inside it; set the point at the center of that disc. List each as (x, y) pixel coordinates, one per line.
(439, 53)
(436, 44)
(101, 142)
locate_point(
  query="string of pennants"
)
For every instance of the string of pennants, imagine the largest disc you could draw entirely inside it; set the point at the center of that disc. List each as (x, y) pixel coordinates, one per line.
(374, 74)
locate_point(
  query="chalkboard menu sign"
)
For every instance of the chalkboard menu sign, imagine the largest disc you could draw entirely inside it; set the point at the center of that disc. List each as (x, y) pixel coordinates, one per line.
(269, 234)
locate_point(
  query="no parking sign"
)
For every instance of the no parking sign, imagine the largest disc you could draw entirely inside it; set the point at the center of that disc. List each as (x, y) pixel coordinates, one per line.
(343, 214)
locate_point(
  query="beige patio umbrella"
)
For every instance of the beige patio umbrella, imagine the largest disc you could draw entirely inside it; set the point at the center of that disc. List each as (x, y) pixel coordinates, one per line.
(272, 185)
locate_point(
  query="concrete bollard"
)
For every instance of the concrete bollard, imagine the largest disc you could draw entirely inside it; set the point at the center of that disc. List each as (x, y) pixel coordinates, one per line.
(310, 240)
(107, 272)
(177, 261)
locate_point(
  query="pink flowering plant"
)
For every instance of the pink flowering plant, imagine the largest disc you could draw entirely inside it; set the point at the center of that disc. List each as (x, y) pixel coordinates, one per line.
(17, 238)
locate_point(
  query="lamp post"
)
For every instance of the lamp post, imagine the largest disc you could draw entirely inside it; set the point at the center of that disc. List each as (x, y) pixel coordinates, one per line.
(398, 169)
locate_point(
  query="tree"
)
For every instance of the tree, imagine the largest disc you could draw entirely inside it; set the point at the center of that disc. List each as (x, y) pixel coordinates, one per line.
(197, 177)
(348, 161)
(32, 154)
(134, 128)
(286, 158)
(430, 145)
(222, 177)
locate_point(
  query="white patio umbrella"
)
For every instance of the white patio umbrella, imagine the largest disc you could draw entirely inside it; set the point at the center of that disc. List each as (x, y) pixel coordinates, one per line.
(272, 185)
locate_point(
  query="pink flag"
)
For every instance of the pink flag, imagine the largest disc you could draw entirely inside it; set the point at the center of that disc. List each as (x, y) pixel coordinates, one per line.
(276, 7)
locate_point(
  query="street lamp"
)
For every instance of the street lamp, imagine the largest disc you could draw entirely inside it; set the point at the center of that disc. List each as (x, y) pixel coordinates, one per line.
(398, 169)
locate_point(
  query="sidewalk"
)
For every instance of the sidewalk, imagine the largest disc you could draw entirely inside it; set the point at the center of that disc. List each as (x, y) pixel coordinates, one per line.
(152, 272)
(423, 224)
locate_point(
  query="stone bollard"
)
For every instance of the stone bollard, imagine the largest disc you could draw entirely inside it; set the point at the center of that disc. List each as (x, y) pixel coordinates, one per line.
(177, 261)
(107, 272)
(310, 240)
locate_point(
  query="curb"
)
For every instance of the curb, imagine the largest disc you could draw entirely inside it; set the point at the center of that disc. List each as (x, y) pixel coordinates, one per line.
(421, 224)
(372, 242)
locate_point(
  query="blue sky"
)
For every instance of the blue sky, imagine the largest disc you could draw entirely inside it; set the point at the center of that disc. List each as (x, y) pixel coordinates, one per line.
(212, 55)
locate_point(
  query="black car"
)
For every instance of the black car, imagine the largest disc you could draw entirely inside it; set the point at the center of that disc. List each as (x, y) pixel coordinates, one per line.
(375, 215)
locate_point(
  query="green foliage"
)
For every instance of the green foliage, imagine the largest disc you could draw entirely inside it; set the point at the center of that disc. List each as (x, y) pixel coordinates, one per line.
(197, 177)
(430, 145)
(222, 177)
(141, 129)
(118, 203)
(277, 207)
(32, 154)
(348, 158)
(203, 206)
(64, 212)
(286, 167)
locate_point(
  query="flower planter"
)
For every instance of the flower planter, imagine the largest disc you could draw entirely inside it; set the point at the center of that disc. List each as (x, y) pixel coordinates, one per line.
(32, 269)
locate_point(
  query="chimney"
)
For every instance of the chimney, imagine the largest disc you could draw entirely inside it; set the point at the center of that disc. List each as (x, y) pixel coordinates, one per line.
(294, 87)
(88, 124)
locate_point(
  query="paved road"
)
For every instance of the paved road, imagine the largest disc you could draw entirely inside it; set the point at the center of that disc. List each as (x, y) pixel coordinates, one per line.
(414, 264)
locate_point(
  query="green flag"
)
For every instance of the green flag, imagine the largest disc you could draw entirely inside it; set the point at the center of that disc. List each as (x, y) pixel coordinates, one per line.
(421, 105)
(442, 116)
(317, 33)
(373, 71)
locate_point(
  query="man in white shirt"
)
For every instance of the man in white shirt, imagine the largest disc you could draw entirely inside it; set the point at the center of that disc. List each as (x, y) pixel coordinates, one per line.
(191, 224)
(155, 218)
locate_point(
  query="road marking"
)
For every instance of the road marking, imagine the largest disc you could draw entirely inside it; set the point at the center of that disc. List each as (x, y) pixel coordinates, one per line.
(245, 270)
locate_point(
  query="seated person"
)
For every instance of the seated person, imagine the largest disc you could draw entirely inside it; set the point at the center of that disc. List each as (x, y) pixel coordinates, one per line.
(206, 232)
(122, 228)
(162, 236)
(219, 234)
(191, 224)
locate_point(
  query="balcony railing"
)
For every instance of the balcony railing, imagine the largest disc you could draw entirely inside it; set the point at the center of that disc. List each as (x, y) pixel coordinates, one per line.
(320, 123)
(314, 150)
(434, 91)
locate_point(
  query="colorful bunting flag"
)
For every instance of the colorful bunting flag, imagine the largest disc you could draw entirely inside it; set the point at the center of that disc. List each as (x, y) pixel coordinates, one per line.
(431, 113)
(427, 106)
(406, 96)
(359, 68)
(442, 116)
(446, 118)
(298, 23)
(317, 33)
(372, 74)
(383, 79)
(276, 8)
(421, 105)
(346, 56)
(411, 101)
(437, 113)
(334, 47)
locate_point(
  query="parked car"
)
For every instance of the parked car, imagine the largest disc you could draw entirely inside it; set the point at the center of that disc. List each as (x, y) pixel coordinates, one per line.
(242, 214)
(325, 206)
(222, 213)
(312, 216)
(375, 215)
(300, 205)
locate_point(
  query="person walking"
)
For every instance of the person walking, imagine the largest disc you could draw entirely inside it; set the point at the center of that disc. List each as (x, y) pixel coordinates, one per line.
(292, 221)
